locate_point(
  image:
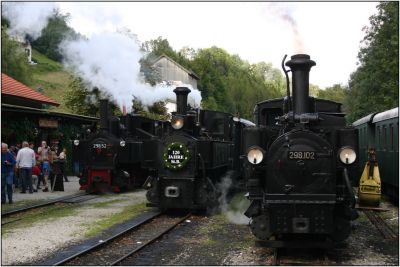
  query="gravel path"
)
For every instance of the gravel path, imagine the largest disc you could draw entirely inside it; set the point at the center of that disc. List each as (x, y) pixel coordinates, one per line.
(40, 239)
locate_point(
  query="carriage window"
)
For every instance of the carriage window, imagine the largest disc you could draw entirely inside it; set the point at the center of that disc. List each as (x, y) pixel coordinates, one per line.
(391, 137)
(378, 140)
(384, 138)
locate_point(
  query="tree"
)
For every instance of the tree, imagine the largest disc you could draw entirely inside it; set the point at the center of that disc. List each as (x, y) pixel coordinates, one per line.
(14, 61)
(82, 100)
(156, 111)
(53, 34)
(373, 87)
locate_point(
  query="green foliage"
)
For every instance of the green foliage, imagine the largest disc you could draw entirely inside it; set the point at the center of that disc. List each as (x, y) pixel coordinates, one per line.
(373, 87)
(14, 60)
(335, 93)
(157, 111)
(231, 84)
(19, 131)
(53, 34)
(82, 100)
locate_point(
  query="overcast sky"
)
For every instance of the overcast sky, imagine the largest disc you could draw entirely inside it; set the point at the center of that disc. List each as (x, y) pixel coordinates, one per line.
(259, 31)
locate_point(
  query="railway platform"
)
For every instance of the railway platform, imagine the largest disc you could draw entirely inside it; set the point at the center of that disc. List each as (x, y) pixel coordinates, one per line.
(70, 188)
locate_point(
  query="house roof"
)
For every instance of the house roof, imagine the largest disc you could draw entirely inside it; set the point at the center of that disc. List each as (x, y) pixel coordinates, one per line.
(12, 87)
(191, 73)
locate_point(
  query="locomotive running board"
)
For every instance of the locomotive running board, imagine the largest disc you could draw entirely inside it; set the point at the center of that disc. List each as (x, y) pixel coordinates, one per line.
(294, 244)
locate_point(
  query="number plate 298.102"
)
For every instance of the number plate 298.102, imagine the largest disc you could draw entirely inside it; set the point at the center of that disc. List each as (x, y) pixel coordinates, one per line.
(296, 155)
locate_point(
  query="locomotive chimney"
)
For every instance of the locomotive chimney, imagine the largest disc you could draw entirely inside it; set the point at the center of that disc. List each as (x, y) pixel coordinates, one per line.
(300, 66)
(104, 114)
(181, 99)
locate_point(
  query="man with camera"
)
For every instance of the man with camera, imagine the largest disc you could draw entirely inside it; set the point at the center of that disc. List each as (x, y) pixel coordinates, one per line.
(43, 152)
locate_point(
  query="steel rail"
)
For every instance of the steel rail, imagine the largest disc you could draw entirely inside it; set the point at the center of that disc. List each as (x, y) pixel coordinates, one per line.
(51, 202)
(150, 241)
(380, 224)
(280, 260)
(106, 241)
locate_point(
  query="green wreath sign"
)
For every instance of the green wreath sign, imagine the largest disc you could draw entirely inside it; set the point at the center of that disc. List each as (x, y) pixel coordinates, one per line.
(176, 156)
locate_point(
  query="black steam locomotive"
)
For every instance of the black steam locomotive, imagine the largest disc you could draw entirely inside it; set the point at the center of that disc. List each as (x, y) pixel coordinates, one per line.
(120, 155)
(299, 157)
(199, 150)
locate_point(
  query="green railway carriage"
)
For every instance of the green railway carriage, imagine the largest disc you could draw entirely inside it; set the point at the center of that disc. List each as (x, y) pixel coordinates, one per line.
(381, 132)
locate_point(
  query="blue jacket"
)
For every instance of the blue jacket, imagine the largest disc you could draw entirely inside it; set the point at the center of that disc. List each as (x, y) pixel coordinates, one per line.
(7, 168)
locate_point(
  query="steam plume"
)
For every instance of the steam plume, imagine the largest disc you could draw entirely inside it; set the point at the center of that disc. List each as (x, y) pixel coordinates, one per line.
(27, 18)
(234, 212)
(110, 62)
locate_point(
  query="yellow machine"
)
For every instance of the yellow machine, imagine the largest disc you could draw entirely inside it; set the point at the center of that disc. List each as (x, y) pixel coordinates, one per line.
(369, 191)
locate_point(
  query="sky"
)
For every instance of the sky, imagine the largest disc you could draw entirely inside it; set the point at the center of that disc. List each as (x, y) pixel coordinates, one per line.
(330, 32)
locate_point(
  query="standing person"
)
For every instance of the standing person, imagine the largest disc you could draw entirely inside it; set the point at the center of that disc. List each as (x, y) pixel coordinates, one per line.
(25, 162)
(43, 152)
(13, 151)
(35, 176)
(7, 173)
(63, 163)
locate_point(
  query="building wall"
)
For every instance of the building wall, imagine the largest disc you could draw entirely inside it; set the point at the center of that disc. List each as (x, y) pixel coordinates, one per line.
(172, 72)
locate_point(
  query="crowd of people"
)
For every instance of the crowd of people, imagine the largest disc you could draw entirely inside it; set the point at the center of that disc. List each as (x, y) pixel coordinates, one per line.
(26, 168)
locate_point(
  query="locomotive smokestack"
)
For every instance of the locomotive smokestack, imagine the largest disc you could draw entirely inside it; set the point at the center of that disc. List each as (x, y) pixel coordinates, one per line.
(181, 99)
(104, 114)
(300, 66)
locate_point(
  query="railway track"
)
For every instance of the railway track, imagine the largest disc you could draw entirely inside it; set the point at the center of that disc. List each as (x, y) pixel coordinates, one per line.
(68, 199)
(380, 224)
(124, 244)
(300, 257)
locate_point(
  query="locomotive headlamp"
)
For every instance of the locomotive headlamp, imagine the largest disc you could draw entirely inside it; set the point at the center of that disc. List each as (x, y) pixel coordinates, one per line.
(177, 122)
(347, 155)
(122, 143)
(255, 155)
(76, 142)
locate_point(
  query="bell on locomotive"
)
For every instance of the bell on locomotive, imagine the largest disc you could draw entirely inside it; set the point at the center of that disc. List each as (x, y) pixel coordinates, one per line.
(299, 157)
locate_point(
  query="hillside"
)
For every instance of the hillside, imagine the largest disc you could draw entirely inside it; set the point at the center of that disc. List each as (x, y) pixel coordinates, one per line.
(51, 77)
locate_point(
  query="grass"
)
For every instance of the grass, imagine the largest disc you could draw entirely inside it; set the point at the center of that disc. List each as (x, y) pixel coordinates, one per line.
(48, 213)
(51, 77)
(44, 64)
(105, 204)
(103, 224)
(20, 204)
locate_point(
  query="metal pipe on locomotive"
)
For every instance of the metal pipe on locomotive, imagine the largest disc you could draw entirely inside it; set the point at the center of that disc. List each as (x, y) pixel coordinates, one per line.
(200, 148)
(118, 156)
(299, 156)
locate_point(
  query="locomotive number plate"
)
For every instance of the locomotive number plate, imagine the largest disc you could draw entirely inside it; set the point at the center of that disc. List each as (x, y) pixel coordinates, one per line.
(99, 145)
(295, 155)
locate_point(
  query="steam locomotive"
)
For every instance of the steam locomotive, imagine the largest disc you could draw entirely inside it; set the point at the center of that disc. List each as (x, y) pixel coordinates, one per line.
(299, 159)
(200, 149)
(119, 155)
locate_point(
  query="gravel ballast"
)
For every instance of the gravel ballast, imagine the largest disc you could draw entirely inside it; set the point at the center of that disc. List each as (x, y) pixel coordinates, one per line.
(36, 241)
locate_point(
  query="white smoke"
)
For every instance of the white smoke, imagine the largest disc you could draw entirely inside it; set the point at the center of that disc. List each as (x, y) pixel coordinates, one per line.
(27, 17)
(110, 62)
(280, 10)
(233, 211)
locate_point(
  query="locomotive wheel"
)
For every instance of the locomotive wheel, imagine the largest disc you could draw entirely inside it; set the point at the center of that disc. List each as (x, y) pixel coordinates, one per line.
(342, 229)
(260, 227)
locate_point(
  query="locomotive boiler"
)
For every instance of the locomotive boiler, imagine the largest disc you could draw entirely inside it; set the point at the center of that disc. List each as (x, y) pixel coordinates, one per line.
(119, 155)
(199, 150)
(299, 157)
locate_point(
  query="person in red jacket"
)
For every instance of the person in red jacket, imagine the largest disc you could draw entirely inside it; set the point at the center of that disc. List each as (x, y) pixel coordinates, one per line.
(35, 175)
